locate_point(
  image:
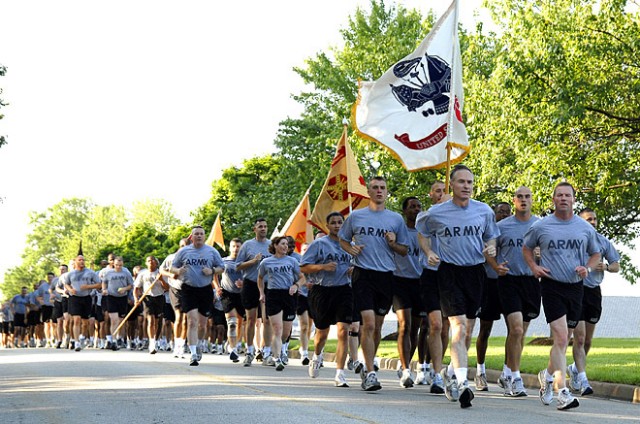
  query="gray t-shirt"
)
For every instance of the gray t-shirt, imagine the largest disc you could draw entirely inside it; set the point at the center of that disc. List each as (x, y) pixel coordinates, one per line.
(145, 279)
(115, 280)
(77, 278)
(325, 250)
(510, 243)
(461, 231)
(19, 303)
(368, 228)
(43, 291)
(166, 266)
(195, 259)
(282, 272)
(564, 245)
(248, 251)
(54, 293)
(409, 266)
(609, 253)
(230, 276)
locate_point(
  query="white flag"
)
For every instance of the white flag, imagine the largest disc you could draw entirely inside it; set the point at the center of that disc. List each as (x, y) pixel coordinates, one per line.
(415, 108)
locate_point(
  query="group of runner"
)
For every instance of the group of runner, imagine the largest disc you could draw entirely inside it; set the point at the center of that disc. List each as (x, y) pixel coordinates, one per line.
(439, 269)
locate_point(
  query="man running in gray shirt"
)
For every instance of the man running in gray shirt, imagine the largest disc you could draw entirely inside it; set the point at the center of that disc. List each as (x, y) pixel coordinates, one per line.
(569, 251)
(465, 230)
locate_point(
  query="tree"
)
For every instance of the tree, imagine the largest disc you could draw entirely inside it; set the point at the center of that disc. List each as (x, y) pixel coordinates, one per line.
(373, 41)
(54, 240)
(560, 102)
(155, 212)
(246, 193)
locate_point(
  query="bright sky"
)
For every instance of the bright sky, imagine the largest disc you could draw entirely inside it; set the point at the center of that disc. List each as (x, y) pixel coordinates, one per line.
(114, 100)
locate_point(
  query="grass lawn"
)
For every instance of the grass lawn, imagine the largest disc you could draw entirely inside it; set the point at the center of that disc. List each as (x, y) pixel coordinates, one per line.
(610, 360)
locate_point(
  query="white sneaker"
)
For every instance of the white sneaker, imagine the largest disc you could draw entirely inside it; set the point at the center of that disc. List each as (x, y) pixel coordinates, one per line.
(585, 387)
(546, 389)
(314, 368)
(406, 379)
(341, 380)
(450, 385)
(269, 361)
(566, 400)
(574, 381)
(421, 378)
(517, 388)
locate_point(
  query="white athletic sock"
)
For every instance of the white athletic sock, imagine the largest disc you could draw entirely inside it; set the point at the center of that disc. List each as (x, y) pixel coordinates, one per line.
(266, 351)
(582, 376)
(548, 376)
(461, 374)
(481, 369)
(516, 374)
(339, 372)
(505, 369)
(193, 349)
(152, 344)
(250, 349)
(450, 370)
(109, 338)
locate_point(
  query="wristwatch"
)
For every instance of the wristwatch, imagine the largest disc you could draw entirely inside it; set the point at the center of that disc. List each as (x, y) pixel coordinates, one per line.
(588, 270)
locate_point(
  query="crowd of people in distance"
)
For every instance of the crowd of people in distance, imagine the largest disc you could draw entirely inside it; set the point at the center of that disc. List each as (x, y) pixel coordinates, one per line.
(439, 270)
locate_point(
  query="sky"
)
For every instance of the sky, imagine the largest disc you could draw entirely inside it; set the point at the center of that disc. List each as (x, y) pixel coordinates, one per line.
(130, 100)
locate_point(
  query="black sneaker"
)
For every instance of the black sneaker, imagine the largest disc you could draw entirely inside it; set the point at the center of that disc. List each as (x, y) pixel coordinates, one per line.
(234, 356)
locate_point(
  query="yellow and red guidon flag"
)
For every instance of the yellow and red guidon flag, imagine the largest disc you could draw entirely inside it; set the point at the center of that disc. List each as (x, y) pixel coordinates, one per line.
(216, 234)
(297, 225)
(415, 108)
(344, 190)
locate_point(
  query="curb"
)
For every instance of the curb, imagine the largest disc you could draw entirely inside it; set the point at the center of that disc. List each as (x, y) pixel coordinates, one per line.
(602, 390)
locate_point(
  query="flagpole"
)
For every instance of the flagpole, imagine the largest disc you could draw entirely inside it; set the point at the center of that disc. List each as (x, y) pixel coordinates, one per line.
(452, 97)
(345, 124)
(136, 305)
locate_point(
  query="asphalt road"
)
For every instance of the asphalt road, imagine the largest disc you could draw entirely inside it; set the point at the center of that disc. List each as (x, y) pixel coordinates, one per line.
(53, 386)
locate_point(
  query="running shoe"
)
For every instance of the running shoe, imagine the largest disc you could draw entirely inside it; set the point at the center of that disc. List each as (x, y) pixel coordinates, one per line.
(350, 366)
(517, 388)
(278, 363)
(305, 360)
(248, 359)
(574, 380)
(194, 360)
(546, 389)
(269, 361)
(465, 395)
(259, 356)
(421, 378)
(370, 383)
(314, 368)
(341, 380)
(501, 380)
(234, 356)
(406, 379)
(481, 382)
(437, 386)
(507, 386)
(585, 387)
(566, 400)
(284, 357)
(358, 366)
(450, 386)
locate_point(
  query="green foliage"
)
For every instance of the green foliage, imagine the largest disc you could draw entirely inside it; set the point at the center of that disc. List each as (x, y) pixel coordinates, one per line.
(57, 232)
(246, 193)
